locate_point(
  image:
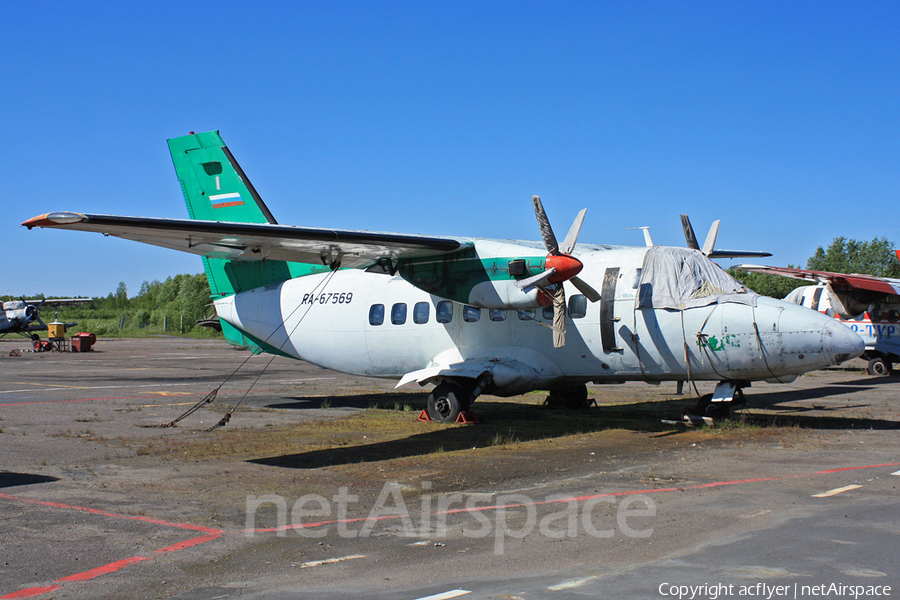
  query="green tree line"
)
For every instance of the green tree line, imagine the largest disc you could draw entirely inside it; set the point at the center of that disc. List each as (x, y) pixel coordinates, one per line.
(172, 306)
(842, 256)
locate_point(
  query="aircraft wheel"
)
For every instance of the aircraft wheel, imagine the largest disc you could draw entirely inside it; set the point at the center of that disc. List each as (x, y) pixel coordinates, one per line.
(35, 337)
(445, 402)
(715, 410)
(572, 398)
(879, 366)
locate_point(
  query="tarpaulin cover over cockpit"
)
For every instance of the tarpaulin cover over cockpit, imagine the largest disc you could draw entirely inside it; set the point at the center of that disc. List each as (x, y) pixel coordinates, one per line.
(680, 278)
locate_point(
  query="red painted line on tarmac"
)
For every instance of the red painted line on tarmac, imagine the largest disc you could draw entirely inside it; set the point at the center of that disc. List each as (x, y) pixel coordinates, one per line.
(104, 570)
(30, 592)
(190, 543)
(103, 513)
(211, 534)
(855, 468)
(322, 524)
(573, 498)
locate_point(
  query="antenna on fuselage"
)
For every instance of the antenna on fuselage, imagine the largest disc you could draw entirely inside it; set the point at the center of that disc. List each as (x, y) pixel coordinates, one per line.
(648, 241)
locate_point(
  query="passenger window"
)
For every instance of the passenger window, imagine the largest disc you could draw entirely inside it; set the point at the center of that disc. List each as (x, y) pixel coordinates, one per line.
(376, 314)
(444, 312)
(398, 313)
(577, 306)
(471, 314)
(547, 313)
(526, 315)
(497, 315)
(420, 312)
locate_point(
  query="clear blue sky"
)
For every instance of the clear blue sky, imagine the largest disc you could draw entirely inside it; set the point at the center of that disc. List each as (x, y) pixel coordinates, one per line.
(780, 118)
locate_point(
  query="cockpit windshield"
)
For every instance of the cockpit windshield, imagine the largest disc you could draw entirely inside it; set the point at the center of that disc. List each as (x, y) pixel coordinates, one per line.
(680, 278)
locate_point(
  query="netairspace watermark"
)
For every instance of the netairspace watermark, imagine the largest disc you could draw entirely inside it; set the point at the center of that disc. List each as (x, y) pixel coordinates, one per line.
(762, 590)
(501, 516)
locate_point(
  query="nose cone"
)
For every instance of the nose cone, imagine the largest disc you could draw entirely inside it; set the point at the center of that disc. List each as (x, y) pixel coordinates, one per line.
(811, 340)
(840, 343)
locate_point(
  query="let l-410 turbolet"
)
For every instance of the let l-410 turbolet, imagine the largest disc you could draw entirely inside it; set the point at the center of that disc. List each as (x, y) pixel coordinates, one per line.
(472, 315)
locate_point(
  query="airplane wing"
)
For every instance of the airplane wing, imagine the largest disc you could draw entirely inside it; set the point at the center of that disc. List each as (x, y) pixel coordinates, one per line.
(838, 281)
(59, 301)
(256, 241)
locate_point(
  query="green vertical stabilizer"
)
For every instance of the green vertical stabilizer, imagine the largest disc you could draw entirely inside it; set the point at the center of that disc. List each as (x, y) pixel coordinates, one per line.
(217, 189)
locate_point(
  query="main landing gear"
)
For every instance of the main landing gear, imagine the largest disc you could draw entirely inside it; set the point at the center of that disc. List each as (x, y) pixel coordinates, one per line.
(573, 397)
(446, 401)
(454, 397)
(451, 400)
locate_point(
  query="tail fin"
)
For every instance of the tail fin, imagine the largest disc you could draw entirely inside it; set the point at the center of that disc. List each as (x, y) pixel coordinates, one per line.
(214, 185)
(217, 189)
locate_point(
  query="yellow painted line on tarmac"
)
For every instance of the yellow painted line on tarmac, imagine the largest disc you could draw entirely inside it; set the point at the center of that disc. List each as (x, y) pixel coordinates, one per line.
(52, 385)
(168, 393)
(167, 404)
(837, 491)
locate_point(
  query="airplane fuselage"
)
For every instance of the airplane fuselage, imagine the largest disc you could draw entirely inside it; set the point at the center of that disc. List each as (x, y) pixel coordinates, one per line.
(381, 325)
(15, 317)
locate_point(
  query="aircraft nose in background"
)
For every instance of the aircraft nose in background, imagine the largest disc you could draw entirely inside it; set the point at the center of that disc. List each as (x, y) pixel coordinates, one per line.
(841, 344)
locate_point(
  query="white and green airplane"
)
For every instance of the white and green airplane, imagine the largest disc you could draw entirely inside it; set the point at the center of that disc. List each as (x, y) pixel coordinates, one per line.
(473, 315)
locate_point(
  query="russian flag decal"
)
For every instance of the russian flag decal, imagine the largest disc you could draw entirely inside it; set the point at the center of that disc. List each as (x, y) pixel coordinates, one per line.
(223, 200)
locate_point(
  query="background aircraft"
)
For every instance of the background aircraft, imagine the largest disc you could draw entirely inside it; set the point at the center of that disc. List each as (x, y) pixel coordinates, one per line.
(868, 305)
(23, 316)
(472, 315)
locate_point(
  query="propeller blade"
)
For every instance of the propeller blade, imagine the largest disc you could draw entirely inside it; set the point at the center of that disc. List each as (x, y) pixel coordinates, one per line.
(559, 317)
(585, 288)
(710, 244)
(544, 223)
(572, 237)
(536, 280)
(689, 236)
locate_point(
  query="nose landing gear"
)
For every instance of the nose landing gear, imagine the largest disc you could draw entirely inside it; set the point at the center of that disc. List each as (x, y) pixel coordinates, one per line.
(879, 366)
(716, 406)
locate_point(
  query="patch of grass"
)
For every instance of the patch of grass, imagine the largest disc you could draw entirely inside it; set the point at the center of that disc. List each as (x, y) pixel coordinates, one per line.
(387, 430)
(504, 438)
